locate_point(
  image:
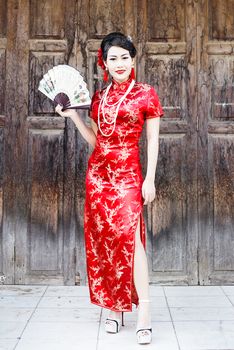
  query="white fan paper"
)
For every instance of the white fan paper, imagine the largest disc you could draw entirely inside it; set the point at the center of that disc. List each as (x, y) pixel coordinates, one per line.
(64, 85)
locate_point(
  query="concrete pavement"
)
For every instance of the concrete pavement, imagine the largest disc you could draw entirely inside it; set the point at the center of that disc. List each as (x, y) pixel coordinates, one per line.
(62, 318)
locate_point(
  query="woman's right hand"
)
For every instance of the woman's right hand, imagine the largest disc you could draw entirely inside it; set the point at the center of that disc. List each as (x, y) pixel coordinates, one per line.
(66, 113)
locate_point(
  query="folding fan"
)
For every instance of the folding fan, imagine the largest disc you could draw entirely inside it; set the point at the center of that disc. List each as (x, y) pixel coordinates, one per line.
(64, 85)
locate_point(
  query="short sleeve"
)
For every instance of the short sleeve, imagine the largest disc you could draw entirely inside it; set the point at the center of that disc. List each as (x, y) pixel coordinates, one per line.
(154, 108)
(93, 109)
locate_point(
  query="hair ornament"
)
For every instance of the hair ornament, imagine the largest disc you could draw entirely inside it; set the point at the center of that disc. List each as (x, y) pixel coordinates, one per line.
(100, 61)
(129, 38)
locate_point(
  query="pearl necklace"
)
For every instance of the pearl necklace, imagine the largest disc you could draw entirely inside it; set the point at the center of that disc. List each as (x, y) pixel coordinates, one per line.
(104, 102)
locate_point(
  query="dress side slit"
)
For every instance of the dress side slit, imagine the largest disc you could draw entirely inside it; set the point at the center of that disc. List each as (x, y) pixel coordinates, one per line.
(134, 296)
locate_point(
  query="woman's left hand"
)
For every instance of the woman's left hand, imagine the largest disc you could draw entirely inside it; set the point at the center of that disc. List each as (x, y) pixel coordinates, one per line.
(148, 191)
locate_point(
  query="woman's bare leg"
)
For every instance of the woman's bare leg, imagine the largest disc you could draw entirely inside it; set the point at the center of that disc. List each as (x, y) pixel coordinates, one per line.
(141, 281)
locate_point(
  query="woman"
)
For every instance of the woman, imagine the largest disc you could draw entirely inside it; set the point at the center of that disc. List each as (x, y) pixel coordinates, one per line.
(115, 189)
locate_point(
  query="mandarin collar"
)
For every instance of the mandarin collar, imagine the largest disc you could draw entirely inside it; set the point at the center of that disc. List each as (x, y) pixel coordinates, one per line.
(121, 86)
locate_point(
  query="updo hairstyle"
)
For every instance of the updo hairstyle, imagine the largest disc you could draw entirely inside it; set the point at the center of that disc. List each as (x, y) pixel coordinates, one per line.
(117, 39)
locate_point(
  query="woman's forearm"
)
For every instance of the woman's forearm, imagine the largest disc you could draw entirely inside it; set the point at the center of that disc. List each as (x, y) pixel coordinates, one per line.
(87, 132)
(152, 157)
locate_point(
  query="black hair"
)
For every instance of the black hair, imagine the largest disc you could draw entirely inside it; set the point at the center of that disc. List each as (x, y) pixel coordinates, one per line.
(117, 39)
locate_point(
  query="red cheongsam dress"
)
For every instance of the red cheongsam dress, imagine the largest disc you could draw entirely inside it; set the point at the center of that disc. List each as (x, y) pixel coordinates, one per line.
(114, 200)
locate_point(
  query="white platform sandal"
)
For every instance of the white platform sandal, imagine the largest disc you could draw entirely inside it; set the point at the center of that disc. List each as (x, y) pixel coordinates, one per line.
(114, 325)
(144, 335)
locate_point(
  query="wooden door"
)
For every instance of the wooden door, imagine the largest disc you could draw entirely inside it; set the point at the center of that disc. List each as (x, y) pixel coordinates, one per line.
(3, 34)
(216, 141)
(38, 230)
(166, 32)
(185, 50)
(187, 53)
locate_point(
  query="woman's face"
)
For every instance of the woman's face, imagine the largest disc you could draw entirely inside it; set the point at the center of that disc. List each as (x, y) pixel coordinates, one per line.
(119, 63)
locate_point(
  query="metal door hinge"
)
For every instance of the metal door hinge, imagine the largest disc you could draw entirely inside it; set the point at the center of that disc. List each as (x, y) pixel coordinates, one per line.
(74, 256)
(77, 280)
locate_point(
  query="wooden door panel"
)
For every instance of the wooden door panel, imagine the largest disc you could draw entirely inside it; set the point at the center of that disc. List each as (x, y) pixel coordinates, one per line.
(221, 90)
(3, 30)
(222, 150)
(216, 141)
(105, 17)
(1, 195)
(3, 18)
(47, 18)
(166, 20)
(166, 61)
(220, 23)
(37, 205)
(168, 74)
(168, 213)
(49, 235)
(45, 191)
(41, 59)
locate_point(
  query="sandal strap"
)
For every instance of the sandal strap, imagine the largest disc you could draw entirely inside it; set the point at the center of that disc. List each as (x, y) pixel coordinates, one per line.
(111, 319)
(115, 321)
(144, 329)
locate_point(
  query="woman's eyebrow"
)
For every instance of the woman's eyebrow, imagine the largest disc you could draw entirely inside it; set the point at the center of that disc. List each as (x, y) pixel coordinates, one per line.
(124, 54)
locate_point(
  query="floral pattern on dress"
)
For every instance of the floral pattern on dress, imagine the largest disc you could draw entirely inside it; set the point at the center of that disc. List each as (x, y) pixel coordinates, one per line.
(114, 201)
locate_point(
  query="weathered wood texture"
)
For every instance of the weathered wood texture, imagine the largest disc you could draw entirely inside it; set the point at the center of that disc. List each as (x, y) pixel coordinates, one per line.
(168, 56)
(215, 38)
(3, 30)
(39, 173)
(185, 50)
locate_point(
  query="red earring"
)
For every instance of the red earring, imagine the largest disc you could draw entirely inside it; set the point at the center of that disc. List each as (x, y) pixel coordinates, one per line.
(132, 75)
(105, 76)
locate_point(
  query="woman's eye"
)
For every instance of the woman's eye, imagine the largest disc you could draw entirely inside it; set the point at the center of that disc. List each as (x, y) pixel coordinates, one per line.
(113, 58)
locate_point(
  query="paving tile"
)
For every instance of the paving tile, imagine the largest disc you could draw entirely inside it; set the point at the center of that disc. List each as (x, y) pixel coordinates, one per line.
(67, 301)
(8, 344)
(231, 298)
(18, 290)
(204, 335)
(58, 331)
(65, 318)
(12, 314)
(229, 290)
(57, 344)
(157, 314)
(163, 338)
(24, 301)
(10, 330)
(202, 314)
(66, 315)
(160, 314)
(199, 301)
(156, 291)
(185, 291)
(67, 291)
(157, 301)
